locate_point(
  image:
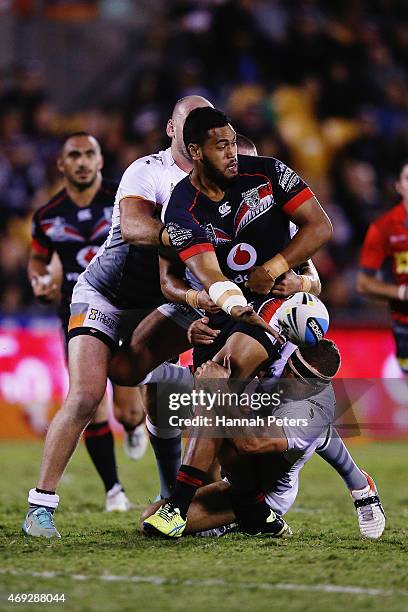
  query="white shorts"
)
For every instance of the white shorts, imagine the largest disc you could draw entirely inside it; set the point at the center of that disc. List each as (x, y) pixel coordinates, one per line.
(181, 314)
(93, 314)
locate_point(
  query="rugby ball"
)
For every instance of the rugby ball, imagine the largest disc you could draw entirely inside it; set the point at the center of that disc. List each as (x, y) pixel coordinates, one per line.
(304, 319)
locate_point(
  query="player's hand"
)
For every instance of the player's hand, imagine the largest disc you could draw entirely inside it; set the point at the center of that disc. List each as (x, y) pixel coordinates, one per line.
(200, 333)
(45, 289)
(259, 281)
(210, 369)
(246, 314)
(206, 303)
(287, 284)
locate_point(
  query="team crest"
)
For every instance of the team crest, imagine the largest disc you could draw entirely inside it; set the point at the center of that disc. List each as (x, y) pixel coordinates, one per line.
(255, 203)
(251, 198)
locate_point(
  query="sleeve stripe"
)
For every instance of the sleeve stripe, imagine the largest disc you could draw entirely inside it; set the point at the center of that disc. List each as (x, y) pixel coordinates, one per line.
(38, 248)
(297, 200)
(195, 250)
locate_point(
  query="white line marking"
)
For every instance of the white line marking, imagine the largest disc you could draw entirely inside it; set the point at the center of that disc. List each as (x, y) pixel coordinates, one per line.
(160, 580)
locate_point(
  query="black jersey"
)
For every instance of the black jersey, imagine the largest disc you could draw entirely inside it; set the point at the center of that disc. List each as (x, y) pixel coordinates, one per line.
(248, 226)
(74, 233)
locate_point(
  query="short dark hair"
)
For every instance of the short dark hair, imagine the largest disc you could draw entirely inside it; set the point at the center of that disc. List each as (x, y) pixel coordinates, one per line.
(78, 134)
(199, 121)
(324, 356)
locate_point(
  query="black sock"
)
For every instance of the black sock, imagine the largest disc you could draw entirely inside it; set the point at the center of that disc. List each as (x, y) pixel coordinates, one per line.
(44, 491)
(250, 509)
(189, 479)
(99, 443)
(168, 460)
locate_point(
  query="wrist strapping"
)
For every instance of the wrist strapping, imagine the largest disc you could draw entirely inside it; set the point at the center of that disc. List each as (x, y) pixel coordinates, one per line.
(226, 295)
(276, 266)
(306, 283)
(192, 298)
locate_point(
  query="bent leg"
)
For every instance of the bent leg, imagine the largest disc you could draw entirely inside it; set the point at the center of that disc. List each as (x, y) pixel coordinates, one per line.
(85, 393)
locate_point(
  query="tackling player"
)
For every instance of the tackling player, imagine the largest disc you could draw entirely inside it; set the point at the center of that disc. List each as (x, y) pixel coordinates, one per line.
(72, 226)
(387, 240)
(277, 474)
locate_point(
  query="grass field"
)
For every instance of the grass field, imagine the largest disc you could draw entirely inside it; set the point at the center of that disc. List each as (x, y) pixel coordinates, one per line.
(102, 563)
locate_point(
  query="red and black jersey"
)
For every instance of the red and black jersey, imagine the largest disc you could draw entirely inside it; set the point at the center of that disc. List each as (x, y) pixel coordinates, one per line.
(387, 239)
(74, 233)
(248, 226)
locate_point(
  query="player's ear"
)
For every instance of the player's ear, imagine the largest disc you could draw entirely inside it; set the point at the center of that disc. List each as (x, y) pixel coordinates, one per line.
(60, 164)
(194, 151)
(170, 128)
(101, 162)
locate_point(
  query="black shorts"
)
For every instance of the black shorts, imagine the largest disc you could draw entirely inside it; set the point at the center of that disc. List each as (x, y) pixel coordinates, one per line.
(400, 331)
(265, 307)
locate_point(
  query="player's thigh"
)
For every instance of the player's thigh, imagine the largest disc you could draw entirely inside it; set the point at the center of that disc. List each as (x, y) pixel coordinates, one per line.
(159, 338)
(246, 355)
(88, 359)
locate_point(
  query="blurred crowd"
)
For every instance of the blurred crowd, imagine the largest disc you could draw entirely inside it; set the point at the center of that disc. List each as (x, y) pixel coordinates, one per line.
(320, 85)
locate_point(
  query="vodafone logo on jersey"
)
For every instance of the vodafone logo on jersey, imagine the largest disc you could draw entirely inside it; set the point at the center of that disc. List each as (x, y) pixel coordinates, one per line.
(85, 255)
(241, 257)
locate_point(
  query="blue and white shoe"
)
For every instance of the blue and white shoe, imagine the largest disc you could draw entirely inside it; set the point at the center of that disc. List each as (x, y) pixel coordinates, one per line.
(40, 523)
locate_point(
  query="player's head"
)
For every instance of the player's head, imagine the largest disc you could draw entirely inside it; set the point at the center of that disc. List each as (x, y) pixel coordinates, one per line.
(175, 125)
(314, 364)
(212, 144)
(402, 182)
(245, 146)
(80, 160)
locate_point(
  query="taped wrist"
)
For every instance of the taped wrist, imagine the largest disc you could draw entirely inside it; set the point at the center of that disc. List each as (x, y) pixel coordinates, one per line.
(276, 266)
(306, 283)
(192, 298)
(226, 295)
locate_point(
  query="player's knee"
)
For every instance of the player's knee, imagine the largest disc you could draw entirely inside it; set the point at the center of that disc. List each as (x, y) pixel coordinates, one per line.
(83, 404)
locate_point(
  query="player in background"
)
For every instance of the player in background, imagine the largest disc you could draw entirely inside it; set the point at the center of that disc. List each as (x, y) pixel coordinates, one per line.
(386, 241)
(232, 215)
(71, 227)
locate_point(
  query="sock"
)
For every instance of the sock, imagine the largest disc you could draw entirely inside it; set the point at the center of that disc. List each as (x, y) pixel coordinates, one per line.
(99, 443)
(166, 444)
(250, 509)
(189, 479)
(39, 498)
(334, 451)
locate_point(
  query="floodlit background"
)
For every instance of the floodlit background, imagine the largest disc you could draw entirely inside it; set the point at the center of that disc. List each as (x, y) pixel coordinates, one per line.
(320, 85)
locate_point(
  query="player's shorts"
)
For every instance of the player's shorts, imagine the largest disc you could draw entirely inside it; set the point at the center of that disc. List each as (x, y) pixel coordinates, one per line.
(181, 314)
(266, 307)
(400, 332)
(92, 314)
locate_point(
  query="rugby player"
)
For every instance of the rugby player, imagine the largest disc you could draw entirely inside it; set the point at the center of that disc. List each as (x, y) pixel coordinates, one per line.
(361, 486)
(229, 216)
(72, 226)
(386, 241)
(118, 289)
(276, 475)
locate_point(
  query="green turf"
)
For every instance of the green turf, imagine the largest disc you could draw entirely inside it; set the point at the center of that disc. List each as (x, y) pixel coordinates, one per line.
(232, 573)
